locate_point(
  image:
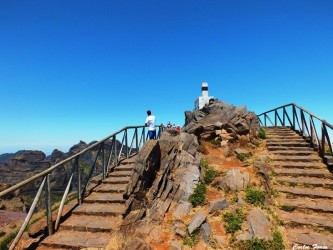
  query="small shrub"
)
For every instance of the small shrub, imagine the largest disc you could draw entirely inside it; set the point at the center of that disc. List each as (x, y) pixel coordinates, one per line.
(288, 208)
(216, 142)
(255, 196)
(2, 233)
(243, 156)
(256, 144)
(204, 163)
(5, 242)
(260, 244)
(191, 240)
(277, 242)
(210, 174)
(262, 134)
(199, 195)
(233, 221)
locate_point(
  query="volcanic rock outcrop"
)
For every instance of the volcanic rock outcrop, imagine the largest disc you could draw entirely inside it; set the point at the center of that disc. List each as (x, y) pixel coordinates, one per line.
(216, 117)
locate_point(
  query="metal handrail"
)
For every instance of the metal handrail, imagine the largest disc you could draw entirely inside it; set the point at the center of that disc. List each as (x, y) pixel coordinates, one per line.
(108, 163)
(304, 122)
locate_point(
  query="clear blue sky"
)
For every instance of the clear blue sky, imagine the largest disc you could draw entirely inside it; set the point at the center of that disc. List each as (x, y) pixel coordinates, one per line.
(80, 70)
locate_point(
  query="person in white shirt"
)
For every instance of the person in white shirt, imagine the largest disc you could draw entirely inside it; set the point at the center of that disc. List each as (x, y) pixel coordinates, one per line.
(150, 122)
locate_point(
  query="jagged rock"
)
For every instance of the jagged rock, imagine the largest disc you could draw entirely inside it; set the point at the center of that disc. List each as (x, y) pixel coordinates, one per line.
(240, 201)
(183, 208)
(242, 151)
(77, 147)
(220, 241)
(146, 165)
(217, 205)
(219, 115)
(206, 231)
(136, 243)
(244, 236)
(259, 225)
(234, 180)
(196, 221)
(175, 245)
(180, 232)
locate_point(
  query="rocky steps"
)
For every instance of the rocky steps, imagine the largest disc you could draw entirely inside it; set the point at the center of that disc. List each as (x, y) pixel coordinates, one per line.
(91, 223)
(305, 189)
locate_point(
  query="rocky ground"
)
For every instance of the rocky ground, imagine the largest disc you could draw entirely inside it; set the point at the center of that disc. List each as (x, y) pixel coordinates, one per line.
(208, 220)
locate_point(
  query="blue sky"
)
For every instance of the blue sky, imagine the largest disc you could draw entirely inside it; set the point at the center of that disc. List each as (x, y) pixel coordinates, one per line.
(80, 70)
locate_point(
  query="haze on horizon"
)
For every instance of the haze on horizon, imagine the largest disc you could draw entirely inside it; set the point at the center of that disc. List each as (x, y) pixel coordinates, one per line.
(80, 70)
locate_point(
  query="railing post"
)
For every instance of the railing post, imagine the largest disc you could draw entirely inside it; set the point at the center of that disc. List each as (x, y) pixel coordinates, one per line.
(48, 205)
(29, 215)
(79, 196)
(126, 144)
(275, 118)
(322, 149)
(115, 151)
(294, 115)
(302, 120)
(284, 117)
(103, 161)
(136, 140)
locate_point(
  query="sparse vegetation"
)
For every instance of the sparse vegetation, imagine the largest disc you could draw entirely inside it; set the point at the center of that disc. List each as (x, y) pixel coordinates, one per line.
(243, 156)
(216, 141)
(204, 163)
(2, 233)
(192, 239)
(262, 134)
(260, 244)
(255, 196)
(7, 239)
(199, 195)
(288, 208)
(233, 221)
(210, 174)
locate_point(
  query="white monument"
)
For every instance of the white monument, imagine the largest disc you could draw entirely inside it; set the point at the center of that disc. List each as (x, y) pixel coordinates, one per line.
(204, 99)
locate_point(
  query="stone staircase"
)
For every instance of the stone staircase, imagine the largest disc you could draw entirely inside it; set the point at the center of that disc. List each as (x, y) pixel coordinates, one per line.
(90, 224)
(305, 189)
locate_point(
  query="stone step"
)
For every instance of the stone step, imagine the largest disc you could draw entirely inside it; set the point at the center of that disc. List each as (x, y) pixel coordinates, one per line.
(280, 148)
(314, 219)
(320, 205)
(297, 158)
(319, 173)
(278, 129)
(284, 140)
(305, 181)
(307, 237)
(307, 192)
(77, 240)
(127, 167)
(281, 132)
(288, 144)
(295, 152)
(98, 197)
(120, 174)
(117, 180)
(111, 188)
(129, 160)
(87, 223)
(284, 136)
(106, 209)
(306, 165)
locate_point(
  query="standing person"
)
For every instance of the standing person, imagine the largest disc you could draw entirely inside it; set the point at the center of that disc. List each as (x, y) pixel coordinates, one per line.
(150, 121)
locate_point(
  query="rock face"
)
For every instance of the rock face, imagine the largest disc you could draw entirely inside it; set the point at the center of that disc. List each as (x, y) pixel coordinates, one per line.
(175, 179)
(219, 116)
(234, 180)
